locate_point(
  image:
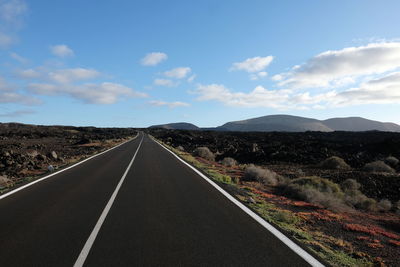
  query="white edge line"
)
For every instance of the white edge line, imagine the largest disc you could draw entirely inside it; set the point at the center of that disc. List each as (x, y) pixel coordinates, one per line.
(89, 243)
(60, 171)
(293, 246)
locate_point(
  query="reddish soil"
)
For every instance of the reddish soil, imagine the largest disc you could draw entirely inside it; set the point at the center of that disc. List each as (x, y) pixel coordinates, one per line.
(362, 234)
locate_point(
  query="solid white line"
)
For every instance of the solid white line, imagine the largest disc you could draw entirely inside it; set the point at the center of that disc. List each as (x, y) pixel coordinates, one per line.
(293, 246)
(63, 170)
(89, 243)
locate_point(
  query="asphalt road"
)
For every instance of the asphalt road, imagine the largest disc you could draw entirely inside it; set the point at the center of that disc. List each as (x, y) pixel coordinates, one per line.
(164, 214)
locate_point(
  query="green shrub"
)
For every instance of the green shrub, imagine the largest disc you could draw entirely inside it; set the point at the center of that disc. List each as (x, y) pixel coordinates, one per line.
(392, 161)
(5, 182)
(355, 198)
(318, 191)
(204, 153)
(378, 166)
(360, 201)
(264, 176)
(229, 162)
(384, 205)
(285, 217)
(350, 185)
(219, 177)
(335, 163)
(180, 148)
(367, 204)
(318, 183)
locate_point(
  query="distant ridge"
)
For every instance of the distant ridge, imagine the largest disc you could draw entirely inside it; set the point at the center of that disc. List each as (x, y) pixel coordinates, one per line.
(177, 126)
(288, 123)
(281, 123)
(360, 124)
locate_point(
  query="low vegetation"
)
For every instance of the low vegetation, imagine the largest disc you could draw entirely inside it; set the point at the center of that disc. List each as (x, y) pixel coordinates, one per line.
(353, 197)
(392, 161)
(229, 162)
(262, 175)
(378, 166)
(384, 205)
(204, 153)
(333, 218)
(318, 191)
(180, 148)
(335, 163)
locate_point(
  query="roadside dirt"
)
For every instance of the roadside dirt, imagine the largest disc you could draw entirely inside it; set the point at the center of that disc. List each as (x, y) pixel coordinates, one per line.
(27, 151)
(348, 237)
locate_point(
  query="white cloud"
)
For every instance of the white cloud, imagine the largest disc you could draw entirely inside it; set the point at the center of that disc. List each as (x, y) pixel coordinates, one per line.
(71, 75)
(338, 68)
(28, 74)
(103, 93)
(44, 89)
(18, 58)
(17, 98)
(153, 59)
(255, 64)
(385, 90)
(61, 51)
(165, 82)
(169, 104)
(191, 78)
(259, 97)
(17, 113)
(11, 11)
(4, 86)
(62, 76)
(11, 15)
(262, 74)
(5, 40)
(257, 76)
(178, 73)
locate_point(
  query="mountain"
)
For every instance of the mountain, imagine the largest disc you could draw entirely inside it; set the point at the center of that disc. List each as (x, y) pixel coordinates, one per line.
(177, 126)
(288, 123)
(284, 123)
(360, 124)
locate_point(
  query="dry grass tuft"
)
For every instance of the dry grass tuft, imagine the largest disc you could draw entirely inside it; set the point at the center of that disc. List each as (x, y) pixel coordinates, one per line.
(262, 175)
(392, 161)
(204, 153)
(335, 163)
(384, 205)
(229, 162)
(378, 166)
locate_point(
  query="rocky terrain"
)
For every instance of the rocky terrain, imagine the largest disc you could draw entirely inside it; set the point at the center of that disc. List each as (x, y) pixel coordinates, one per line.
(296, 153)
(336, 193)
(27, 151)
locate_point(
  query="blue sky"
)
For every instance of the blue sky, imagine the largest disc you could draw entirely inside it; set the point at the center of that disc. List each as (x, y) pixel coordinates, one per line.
(138, 63)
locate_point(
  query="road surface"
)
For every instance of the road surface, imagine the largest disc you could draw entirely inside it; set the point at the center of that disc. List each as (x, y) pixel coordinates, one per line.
(162, 214)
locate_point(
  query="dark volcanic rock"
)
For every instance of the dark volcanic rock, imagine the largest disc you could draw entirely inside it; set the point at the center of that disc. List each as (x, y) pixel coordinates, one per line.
(306, 149)
(27, 149)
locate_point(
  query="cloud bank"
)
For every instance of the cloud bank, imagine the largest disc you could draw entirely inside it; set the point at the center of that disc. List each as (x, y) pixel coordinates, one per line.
(336, 68)
(169, 104)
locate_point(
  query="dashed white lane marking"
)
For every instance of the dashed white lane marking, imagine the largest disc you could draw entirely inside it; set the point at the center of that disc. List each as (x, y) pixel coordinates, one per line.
(89, 243)
(293, 246)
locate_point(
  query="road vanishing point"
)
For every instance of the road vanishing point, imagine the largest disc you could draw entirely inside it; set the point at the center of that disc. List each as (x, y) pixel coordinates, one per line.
(134, 205)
